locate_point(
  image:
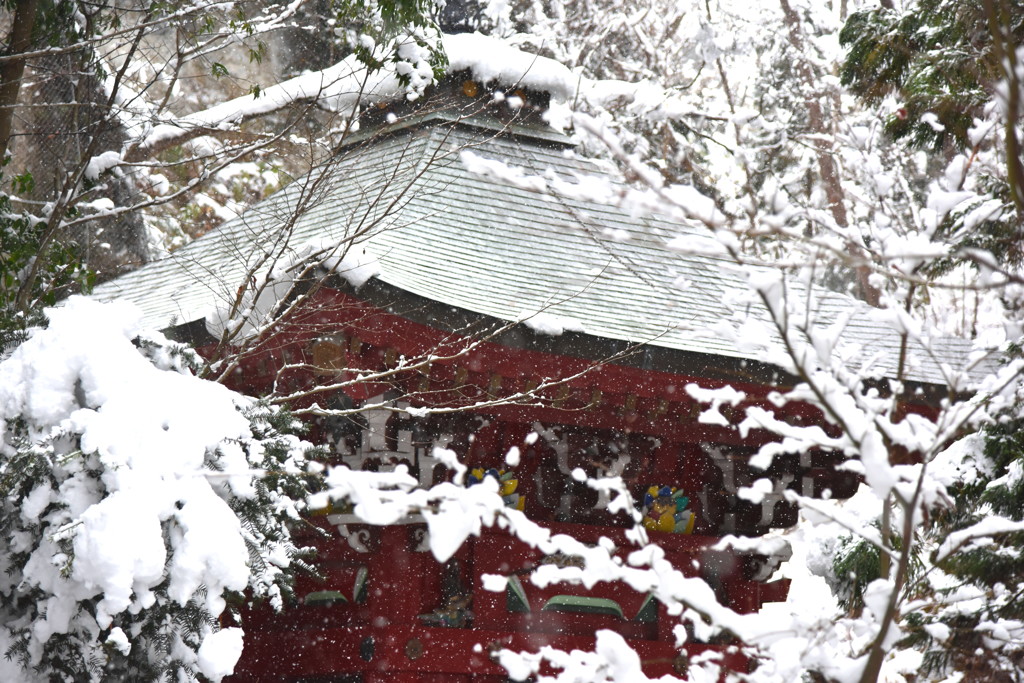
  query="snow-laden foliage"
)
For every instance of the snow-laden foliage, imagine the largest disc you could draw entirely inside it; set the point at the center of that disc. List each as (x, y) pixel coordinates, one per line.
(728, 115)
(809, 194)
(136, 501)
(968, 566)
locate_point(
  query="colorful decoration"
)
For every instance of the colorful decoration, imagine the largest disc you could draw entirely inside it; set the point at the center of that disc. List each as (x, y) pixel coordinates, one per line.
(665, 510)
(507, 485)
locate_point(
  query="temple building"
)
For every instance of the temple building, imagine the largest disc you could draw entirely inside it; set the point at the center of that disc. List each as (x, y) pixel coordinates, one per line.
(412, 293)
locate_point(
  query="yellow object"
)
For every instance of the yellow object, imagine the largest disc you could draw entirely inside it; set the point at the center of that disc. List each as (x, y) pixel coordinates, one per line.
(665, 522)
(507, 485)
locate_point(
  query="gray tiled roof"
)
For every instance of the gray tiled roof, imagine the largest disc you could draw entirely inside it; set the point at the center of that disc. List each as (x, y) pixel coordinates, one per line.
(476, 243)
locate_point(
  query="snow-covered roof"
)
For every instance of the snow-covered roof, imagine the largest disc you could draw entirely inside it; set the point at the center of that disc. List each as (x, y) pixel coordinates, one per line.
(410, 213)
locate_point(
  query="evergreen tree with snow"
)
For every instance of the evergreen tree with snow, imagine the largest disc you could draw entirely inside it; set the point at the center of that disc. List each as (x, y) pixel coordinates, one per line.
(951, 74)
(937, 57)
(948, 73)
(977, 626)
(138, 504)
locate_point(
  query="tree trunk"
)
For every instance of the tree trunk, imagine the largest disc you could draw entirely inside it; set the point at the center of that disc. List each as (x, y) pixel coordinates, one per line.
(827, 168)
(1006, 53)
(11, 71)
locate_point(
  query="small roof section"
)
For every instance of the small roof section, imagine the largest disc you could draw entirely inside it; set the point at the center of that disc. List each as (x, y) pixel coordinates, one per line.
(404, 207)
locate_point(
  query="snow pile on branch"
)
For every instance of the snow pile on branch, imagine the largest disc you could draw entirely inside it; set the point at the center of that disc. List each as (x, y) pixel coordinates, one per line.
(101, 163)
(612, 660)
(341, 86)
(123, 479)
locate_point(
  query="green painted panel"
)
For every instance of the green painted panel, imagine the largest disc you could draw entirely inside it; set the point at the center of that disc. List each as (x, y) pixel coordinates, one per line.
(583, 604)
